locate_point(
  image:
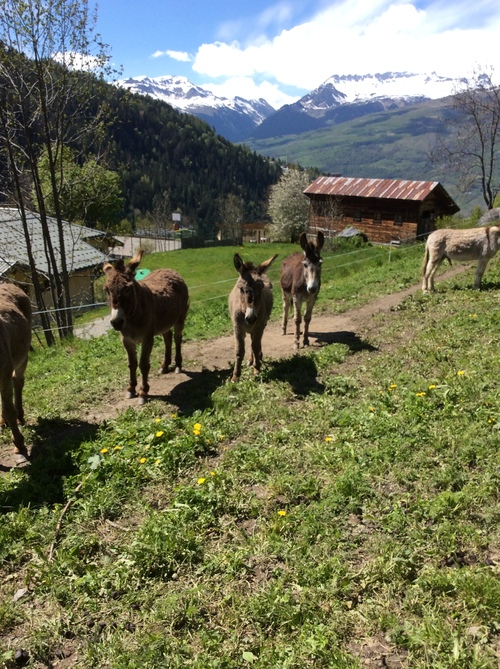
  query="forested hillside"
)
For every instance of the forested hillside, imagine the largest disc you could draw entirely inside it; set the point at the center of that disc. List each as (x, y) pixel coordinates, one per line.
(155, 149)
(160, 152)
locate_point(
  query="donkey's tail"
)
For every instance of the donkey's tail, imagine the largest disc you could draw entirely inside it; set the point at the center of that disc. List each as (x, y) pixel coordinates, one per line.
(425, 261)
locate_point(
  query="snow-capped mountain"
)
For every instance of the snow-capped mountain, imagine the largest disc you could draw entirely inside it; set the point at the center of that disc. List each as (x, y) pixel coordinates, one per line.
(339, 98)
(234, 118)
(348, 89)
(344, 97)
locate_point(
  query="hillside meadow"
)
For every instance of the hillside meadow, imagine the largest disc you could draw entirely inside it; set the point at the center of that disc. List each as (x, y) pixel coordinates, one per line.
(340, 511)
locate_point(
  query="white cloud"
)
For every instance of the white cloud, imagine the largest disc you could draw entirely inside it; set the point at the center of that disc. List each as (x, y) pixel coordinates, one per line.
(181, 56)
(79, 61)
(363, 37)
(247, 88)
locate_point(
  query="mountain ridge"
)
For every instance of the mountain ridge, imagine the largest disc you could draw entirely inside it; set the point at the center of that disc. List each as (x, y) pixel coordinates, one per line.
(339, 98)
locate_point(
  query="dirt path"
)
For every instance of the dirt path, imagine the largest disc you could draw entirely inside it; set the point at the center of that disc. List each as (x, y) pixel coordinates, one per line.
(217, 355)
(209, 362)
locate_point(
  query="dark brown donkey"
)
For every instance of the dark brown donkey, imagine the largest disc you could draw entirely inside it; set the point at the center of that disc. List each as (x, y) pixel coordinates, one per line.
(141, 310)
(300, 282)
(250, 305)
(15, 340)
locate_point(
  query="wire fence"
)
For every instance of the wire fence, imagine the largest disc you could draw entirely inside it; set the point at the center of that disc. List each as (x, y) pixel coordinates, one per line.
(101, 324)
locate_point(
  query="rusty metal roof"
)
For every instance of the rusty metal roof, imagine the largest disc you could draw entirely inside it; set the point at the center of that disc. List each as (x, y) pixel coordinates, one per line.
(391, 189)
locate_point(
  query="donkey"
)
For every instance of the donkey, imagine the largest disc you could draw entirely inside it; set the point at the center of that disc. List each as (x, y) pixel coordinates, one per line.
(479, 244)
(250, 305)
(139, 311)
(300, 282)
(15, 341)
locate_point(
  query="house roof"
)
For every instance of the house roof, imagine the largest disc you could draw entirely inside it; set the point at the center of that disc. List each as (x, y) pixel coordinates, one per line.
(388, 189)
(13, 251)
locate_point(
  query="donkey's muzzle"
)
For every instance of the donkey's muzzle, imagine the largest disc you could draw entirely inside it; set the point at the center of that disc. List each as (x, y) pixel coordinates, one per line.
(117, 323)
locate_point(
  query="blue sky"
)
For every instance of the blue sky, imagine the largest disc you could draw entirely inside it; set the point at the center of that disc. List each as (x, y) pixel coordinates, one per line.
(281, 50)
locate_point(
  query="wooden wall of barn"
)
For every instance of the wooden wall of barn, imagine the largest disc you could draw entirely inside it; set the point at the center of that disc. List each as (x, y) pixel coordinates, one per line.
(382, 221)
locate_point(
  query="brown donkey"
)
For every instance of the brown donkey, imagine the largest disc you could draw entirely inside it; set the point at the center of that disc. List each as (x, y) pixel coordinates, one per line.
(250, 305)
(139, 311)
(300, 282)
(15, 341)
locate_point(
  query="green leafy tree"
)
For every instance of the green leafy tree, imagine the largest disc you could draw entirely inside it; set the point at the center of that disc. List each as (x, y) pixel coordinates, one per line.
(88, 193)
(232, 212)
(288, 207)
(44, 46)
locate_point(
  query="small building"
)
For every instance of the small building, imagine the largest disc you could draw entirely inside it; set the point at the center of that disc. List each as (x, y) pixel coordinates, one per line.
(84, 261)
(385, 210)
(255, 233)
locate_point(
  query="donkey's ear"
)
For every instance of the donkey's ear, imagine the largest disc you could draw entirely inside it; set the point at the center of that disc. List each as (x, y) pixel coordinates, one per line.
(107, 267)
(238, 263)
(320, 240)
(133, 264)
(303, 241)
(266, 264)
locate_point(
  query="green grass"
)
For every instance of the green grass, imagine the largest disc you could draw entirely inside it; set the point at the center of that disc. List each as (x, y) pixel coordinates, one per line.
(210, 276)
(342, 508)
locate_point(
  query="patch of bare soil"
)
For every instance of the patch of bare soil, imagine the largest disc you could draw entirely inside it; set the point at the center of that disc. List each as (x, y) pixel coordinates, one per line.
(210, 362)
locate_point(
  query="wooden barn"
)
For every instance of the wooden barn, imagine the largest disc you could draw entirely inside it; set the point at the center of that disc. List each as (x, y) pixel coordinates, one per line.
(385, 210)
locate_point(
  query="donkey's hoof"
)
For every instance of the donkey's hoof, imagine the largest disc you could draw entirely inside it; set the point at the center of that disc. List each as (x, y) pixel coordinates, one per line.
(142, 400)
(21, 458)
(163, 370)
(130, 395)
(178, 370)
(235, 379)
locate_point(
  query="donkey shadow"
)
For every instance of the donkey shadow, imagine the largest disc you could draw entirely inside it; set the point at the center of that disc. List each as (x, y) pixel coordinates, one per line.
(299, 371)
(195, 394)
(51, 461)
(350, 339)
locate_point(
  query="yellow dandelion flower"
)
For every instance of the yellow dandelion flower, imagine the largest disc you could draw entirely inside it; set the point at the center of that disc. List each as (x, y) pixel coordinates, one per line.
(196, 432)
(173, 415)
(392, 386)
(157, 462)
(422, 394)
(372, 408)
(197, 426)
(157, 420)
(328, 439)
(104, 450)
(159, 433)
(201, 481)
(460, 372)
(212, 473)
(117, 448)
(432, 386)
(281, 512)
(142, 460)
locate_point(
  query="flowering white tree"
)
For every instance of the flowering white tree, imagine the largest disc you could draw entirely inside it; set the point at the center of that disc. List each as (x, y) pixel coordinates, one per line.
(288, 207)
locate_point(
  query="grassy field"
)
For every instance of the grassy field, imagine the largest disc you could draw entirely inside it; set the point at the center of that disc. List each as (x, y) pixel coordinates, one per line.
(343, 511)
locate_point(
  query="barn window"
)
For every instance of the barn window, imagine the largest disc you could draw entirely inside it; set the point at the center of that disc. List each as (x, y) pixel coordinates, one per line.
(357, 215)
(377, 217)
(398, 219)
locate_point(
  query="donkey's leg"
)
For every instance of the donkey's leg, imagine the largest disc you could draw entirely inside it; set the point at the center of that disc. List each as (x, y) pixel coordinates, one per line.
(307, 317)
(240, 354)
(256, 359)
(144, 366)
(131, 349)
(481, 266)
(297, 306)
(18, 381)
(9, 414)
(432, 267)
(286, 308)
(167, 355)
(178, 329)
